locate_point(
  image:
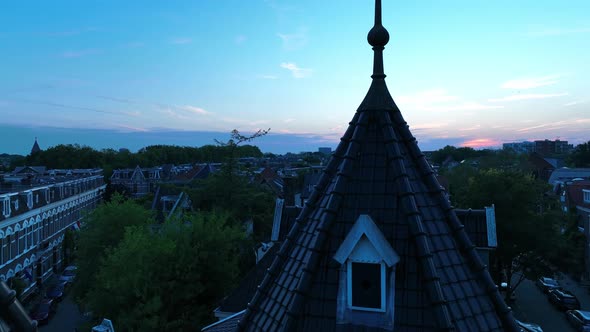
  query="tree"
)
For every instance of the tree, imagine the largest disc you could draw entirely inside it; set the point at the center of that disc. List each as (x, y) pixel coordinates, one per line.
(526, 232)
(580, 157)
(102, 230)
(227, 190)
(172, 276)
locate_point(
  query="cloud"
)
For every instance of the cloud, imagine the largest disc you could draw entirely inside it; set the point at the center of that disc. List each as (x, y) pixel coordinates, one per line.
(581, 123)
(181, 40)
(556, 31)
(268, 77)
(528, 97)
(530, 83)
(294, 41)
(50, 103)
(119, 100)
(136, 129)
(193, 109)
(289, 120)
(481, 143)
(575, 102)
(240, 39)
(438, 100)
(79, 53)
(296, 71)
(427, 97)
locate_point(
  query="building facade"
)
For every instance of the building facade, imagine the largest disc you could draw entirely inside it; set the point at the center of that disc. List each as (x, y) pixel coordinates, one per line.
(37, 209)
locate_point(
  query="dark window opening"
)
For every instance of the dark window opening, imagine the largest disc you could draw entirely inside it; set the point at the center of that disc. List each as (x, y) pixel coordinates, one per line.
(366, 285)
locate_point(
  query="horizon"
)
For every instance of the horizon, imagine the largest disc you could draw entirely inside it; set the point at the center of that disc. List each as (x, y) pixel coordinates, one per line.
(114, 75)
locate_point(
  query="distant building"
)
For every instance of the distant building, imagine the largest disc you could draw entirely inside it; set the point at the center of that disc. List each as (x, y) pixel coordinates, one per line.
(35, 147)
(325, 150)
(547, 147)
(542, 147)
(520, 147)
(38, 206)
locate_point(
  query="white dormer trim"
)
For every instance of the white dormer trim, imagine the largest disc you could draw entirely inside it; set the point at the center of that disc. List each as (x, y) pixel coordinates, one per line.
(366, 252)
(278, 215)
(365, 226)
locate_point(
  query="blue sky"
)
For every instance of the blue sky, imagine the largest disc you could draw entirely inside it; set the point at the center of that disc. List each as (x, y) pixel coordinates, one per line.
(473, 73)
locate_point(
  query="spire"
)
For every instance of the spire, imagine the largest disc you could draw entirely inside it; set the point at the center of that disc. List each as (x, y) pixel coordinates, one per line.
(378, 38)
(35, 147)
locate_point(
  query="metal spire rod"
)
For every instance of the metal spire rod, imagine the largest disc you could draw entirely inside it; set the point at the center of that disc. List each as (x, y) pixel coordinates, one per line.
(378, 38)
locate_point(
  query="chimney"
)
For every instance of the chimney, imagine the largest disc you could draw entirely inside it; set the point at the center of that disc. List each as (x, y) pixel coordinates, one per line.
(289, 190)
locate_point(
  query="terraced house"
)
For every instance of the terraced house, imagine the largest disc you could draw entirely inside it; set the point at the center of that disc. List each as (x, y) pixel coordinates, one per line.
(37, 207)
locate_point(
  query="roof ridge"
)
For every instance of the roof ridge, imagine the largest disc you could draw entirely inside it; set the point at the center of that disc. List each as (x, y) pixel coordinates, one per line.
(467, 248)
(330, 211)
(415, 225)
(327, 174)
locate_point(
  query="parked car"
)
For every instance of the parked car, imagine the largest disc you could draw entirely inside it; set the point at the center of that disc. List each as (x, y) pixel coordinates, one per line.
(528, 327)
(69, 274)
(579, 319)
(545, 284)
(563, 299)
(57, 291)
(43, 310)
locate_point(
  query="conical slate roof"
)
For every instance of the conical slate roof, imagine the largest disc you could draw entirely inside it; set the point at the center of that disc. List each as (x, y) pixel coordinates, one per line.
(440, 283)
(35, 147)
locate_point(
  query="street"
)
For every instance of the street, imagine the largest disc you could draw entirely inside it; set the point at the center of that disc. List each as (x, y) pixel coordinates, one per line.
(532, 305)
(66, 319)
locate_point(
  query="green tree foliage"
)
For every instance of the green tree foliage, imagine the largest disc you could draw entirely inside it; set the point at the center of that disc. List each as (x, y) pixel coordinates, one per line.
(526, 231)
(458, 154)
(76, 156)
(168, 279)
(103, 229)
(580, 157)
(232, 190)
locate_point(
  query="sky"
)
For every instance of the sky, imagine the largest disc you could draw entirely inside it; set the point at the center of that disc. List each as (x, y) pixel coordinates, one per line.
(113, 74)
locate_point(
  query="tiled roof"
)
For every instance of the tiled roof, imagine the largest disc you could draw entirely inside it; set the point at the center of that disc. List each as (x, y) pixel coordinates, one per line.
(567, 174)
(228, 324)
(238, 299)
(377, 169)
(476, 226)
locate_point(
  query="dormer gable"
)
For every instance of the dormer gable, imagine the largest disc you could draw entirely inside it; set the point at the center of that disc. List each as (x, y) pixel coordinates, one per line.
(365, 242)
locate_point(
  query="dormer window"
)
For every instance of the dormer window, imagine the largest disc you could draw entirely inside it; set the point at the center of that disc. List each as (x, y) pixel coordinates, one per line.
(367, 286)
(6, 206)
(367, 276)
(586, 195)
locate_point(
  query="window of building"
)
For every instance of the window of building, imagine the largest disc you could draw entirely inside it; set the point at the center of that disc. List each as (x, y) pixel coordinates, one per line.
(586, 195)
(29, 199)
(6, 249)
(367, 282)
(6, 207)
(15, 204)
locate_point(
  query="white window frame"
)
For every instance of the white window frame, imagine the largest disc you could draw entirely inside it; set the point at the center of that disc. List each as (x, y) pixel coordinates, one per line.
(29, 199)
(6, 206)
(586, 193)
(382, 286)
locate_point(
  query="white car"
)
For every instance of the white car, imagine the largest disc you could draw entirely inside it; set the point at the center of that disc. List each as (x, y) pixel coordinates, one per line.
(69, 274)
(528, 327)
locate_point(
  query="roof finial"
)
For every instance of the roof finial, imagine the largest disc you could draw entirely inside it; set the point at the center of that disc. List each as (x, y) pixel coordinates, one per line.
(378, 38)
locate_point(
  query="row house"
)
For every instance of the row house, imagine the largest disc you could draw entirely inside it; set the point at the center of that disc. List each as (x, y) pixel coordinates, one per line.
(139, 181)
(34, 218)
